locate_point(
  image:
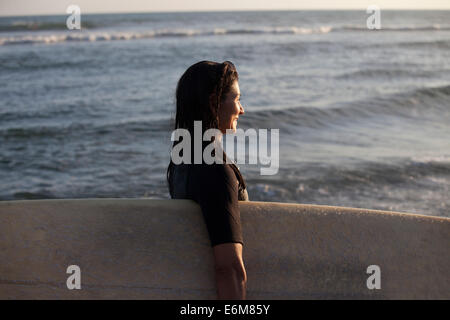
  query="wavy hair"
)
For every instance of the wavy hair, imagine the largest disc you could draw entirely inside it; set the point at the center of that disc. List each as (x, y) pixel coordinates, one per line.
(194, 90)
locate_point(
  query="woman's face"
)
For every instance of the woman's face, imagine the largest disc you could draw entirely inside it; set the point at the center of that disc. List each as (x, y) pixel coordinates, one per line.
(230, 109)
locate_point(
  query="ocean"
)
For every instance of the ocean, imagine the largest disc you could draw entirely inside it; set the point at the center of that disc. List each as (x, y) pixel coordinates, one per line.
(363, 115)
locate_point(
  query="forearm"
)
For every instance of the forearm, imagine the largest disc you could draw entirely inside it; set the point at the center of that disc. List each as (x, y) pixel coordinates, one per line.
(231, 284)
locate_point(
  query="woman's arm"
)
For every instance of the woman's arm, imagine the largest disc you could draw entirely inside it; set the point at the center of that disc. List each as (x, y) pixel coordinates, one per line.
(215, 189)
(231, 278)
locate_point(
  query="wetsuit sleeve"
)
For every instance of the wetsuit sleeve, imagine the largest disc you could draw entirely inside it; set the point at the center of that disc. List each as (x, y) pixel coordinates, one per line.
(216, 191)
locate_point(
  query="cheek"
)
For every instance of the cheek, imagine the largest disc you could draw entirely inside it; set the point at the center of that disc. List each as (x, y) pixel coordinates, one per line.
(228, 110)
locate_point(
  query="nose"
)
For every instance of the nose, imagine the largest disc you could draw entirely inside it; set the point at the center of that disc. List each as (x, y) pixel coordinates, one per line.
(241, 109)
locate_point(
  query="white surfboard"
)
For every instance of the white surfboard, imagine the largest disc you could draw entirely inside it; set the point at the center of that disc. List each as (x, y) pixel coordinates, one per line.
(159, 249)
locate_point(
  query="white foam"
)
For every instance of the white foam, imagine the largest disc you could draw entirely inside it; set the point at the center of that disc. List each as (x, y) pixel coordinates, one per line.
(428, 159)
(117, 35)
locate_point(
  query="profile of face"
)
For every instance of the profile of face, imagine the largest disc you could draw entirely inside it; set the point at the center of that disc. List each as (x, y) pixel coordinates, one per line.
(230, 109)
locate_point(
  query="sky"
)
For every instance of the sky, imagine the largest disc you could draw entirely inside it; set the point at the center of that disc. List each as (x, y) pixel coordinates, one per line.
(35, 7)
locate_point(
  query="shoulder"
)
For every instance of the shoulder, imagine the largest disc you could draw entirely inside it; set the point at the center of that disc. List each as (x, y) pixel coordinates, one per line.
(214, 170)
(216, 176)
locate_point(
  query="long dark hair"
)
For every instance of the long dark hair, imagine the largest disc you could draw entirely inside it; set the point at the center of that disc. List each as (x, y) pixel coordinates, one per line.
(200, 91)
(196, 85)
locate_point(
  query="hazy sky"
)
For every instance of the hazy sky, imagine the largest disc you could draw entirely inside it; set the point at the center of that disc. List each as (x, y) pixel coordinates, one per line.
(29, 7)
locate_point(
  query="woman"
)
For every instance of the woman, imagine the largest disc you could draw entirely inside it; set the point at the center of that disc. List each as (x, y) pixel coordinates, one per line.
(209, 92)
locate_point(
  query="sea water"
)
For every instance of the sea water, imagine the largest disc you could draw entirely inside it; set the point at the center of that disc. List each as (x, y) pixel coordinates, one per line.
(363, 115)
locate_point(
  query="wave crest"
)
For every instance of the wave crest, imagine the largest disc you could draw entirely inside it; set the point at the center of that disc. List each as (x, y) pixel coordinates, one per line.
(117, 35)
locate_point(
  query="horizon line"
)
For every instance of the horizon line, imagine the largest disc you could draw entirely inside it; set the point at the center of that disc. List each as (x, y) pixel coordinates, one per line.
(218, 10)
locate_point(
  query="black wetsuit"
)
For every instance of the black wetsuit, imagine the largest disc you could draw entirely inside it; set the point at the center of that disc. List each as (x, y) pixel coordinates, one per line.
(217, 189)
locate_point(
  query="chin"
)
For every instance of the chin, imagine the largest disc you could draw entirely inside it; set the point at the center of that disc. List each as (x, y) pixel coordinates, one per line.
(232, 127)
